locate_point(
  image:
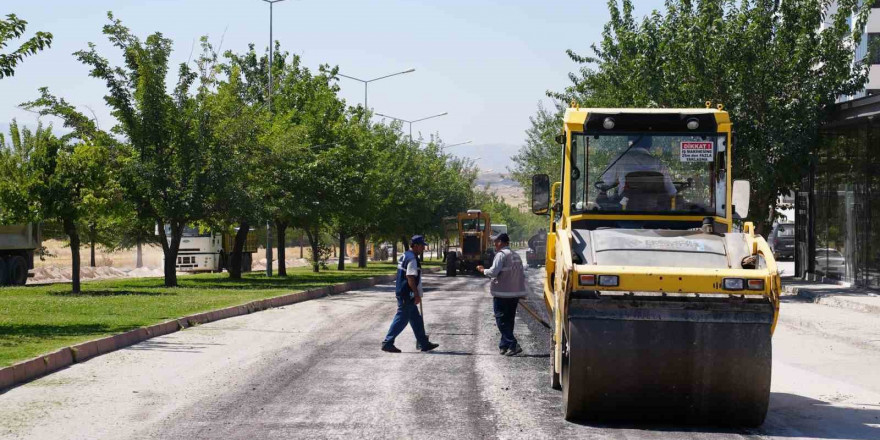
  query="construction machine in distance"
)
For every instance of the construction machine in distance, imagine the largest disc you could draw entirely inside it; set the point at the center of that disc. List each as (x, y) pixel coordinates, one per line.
(661, 311)
(537, 251)
(475, 245)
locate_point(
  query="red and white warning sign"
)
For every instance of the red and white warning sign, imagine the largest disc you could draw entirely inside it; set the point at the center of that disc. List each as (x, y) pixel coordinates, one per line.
(696, 152)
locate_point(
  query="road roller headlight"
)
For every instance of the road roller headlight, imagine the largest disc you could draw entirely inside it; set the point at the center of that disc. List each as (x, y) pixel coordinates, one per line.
(609, 280)
(756, 284)
(734, 284)
(587, 280)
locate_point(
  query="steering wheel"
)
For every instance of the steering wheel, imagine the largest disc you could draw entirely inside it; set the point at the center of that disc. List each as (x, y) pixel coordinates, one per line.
(689, 183)
(601, 186)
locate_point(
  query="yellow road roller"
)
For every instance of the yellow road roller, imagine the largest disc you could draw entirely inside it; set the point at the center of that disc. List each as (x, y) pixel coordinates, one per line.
(664, 299)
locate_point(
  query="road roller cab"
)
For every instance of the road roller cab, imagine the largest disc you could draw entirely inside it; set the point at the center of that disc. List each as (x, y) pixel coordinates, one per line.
(662, 311)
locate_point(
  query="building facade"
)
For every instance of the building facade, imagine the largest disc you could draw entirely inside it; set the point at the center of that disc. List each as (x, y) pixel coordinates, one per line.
(837, 207)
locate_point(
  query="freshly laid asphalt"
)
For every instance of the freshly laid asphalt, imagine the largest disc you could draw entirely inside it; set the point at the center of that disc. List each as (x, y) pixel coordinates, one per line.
(314, 370)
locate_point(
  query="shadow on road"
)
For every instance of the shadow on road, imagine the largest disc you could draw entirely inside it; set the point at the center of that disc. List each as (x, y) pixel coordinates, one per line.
(467, 353)
(790, 415)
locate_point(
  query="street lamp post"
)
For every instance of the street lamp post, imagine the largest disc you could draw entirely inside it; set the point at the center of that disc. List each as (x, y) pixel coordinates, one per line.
(269, 93)
(362, 243)
(413, 121)
(368, 81)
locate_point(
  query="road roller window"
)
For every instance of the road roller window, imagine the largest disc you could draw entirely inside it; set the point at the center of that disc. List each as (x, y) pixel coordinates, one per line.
(644, 173)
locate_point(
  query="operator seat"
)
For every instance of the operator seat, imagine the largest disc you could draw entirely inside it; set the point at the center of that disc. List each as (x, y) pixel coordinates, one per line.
(646, 191)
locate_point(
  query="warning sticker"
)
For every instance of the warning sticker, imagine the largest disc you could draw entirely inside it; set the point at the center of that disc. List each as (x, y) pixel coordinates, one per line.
(696, 152)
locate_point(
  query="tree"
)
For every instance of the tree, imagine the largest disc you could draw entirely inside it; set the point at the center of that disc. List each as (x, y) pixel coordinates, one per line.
(59, 179)
(776, 66)
(164, 172)
(14, 27)
(239, 193)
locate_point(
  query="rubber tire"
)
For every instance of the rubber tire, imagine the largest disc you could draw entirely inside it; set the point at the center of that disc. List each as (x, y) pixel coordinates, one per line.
(555, 382)
(450, 264)
(4, 272)
(565, 381)
(18, 271)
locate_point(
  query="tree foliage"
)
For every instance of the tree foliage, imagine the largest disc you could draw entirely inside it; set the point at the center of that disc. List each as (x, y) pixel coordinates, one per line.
(776, 66)
(14, 27)
(541, 153)
(209, 151)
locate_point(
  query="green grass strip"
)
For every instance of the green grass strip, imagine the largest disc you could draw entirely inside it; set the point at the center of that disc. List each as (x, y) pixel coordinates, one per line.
(39, 319)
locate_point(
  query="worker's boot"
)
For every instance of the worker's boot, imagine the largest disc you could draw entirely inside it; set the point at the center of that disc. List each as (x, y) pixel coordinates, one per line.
(514, 350)
(390, 348)
(429, 346)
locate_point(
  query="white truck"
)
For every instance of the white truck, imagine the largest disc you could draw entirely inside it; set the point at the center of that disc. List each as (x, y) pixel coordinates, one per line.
(209, 251)
(498, 230)
(18, 243)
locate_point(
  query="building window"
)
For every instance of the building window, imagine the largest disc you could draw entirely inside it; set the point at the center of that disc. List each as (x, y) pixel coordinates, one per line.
(875, 4)
(874, 48)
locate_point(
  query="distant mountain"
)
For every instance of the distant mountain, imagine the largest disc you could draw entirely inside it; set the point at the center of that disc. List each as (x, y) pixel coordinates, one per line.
(489, 157)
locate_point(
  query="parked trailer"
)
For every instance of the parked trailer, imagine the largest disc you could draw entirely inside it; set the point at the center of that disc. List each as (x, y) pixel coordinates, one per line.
(17, 246)
(210, 251)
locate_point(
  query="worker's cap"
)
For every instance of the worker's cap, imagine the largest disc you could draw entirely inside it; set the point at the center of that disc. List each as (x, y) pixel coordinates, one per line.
(504, 238)
(418, 239)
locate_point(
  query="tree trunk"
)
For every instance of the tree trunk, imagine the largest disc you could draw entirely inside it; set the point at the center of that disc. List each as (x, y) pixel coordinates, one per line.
(281, 232)
(394, 251)
(341, 264)
(92, 244)
(73, 235)
(405, 243)
(140, 255)
(313, 242)
(362, 252)
(301, 244)
(170, 250)
(233, 263)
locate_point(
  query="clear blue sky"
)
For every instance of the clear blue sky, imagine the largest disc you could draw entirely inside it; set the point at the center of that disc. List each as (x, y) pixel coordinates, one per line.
(486, 62)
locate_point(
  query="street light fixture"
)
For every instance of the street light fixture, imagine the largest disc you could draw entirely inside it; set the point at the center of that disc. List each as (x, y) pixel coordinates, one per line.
(413, 121)
(454, 145)
(368, 81)
(269, 93)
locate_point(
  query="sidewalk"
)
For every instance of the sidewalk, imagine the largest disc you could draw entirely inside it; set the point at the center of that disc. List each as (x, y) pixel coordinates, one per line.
(854, 298)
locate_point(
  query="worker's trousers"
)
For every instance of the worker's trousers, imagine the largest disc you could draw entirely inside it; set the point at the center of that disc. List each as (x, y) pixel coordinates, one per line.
(407, 313)
(505, 315)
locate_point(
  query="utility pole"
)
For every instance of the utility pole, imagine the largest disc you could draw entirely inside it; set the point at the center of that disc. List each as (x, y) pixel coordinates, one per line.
(271, 91)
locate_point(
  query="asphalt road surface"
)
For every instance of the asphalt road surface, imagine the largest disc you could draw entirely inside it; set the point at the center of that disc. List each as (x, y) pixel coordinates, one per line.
(314, 370)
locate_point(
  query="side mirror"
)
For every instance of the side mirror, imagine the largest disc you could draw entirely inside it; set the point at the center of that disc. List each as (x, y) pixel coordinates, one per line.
(540, 194)
(741, 192)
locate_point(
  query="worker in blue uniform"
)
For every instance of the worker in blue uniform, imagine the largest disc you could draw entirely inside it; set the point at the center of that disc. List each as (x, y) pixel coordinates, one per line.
(409, 291)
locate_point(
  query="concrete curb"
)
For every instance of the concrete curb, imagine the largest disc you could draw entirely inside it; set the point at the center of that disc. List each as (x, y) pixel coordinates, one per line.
(816, 296)
(40, 366)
